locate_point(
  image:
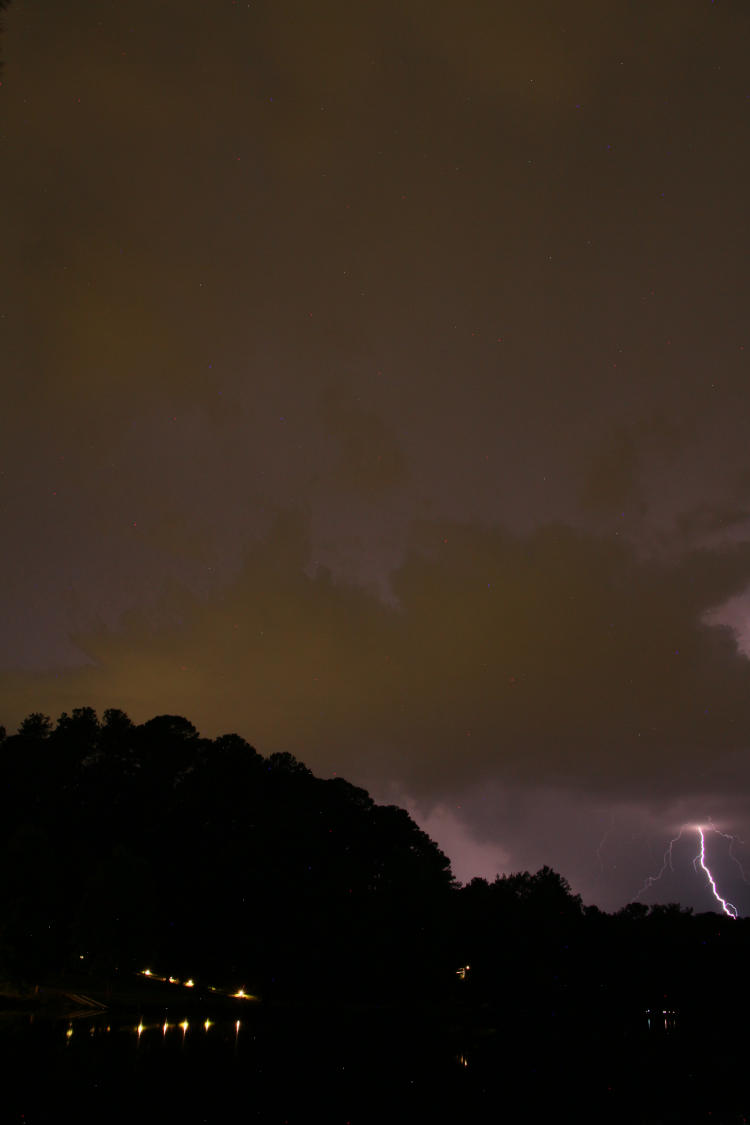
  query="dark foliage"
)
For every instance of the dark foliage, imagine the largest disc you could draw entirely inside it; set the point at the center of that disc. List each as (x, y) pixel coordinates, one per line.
(125, 846)
(128, 845)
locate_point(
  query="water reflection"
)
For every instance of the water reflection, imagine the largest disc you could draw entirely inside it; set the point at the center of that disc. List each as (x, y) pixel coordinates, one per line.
(661, 1019)
(150, 1031)
(356, 1067)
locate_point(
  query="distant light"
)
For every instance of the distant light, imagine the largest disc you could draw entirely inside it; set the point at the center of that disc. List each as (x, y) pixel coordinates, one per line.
(165, 1028)
(207, 1024)
(147, 972)
(173, 980)
(139, 1029)
(237, 1025)
(240, 994)
(68, 1033)
(184, 1025)
(189, 984)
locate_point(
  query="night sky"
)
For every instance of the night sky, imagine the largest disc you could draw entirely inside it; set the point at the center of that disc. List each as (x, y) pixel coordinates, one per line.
(376, 384)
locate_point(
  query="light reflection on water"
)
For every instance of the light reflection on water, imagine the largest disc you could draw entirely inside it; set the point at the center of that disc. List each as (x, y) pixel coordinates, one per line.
(209, 1066)
(150, 1031)
(662, 1019)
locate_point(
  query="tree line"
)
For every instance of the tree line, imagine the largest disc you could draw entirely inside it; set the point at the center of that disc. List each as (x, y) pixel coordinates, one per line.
(124, 845)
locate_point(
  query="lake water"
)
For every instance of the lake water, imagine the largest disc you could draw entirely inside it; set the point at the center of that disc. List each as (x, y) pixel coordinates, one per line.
(295, 1067)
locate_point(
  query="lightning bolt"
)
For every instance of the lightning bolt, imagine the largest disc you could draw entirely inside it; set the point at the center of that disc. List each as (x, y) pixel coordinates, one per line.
(732, 841)
(666, 864)
(699, 861)
(727, 907)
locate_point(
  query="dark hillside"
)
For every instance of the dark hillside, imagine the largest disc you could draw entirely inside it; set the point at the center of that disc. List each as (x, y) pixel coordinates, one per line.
(128, 845)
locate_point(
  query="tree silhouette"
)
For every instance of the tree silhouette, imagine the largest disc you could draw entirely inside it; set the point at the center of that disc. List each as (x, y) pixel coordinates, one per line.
(204, 853)
(127, 844)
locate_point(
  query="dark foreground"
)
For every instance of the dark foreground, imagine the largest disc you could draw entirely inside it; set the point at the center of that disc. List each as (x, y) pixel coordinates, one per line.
(375, 1065)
